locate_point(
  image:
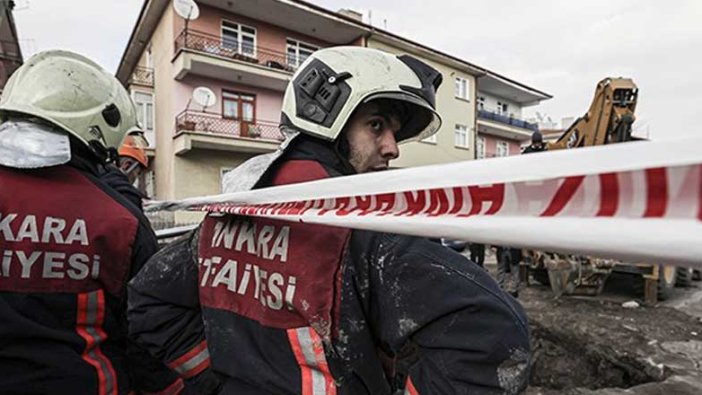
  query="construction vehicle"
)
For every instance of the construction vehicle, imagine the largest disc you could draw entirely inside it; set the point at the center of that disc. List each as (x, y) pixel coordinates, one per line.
(608, 120)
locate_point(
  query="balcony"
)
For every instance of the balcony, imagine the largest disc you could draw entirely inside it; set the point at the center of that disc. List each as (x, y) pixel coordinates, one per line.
(493, 116)
(195, 129)
(504, 126)
(143, 76)
(208, 55)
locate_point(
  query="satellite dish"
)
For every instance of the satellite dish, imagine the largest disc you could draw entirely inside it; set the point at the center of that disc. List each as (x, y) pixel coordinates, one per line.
(186, 9)
(204, 96)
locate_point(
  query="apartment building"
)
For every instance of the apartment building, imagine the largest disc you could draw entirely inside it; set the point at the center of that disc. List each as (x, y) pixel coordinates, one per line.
(10, 53)
(455, 100)
(501, 128)
(245, 52)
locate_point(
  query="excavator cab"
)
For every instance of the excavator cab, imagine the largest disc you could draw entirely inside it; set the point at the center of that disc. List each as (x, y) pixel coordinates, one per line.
(623, 97)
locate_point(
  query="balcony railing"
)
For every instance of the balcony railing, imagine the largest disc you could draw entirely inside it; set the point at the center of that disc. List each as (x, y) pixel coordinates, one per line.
(207, 123)
(142, 76)
(492, 116)
(215, 45)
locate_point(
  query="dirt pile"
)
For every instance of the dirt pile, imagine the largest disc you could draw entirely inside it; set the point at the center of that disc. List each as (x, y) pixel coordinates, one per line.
(593, 345)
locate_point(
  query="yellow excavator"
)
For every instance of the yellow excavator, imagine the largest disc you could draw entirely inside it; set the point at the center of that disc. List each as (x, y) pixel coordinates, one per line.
(608, 120)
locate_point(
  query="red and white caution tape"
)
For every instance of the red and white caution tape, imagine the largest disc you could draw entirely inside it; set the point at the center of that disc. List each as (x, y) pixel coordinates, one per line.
(638, 202)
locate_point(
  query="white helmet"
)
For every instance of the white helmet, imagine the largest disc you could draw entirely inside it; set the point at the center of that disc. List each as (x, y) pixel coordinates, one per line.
(75, 94)
(333, 82)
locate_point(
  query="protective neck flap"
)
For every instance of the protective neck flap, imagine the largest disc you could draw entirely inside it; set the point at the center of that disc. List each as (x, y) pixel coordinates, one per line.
(29, 145)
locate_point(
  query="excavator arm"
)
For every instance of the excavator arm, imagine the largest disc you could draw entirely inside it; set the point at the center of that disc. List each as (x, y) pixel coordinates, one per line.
(608, 120)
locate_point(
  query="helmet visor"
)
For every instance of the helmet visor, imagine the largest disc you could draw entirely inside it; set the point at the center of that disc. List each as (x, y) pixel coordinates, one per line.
(422, 120)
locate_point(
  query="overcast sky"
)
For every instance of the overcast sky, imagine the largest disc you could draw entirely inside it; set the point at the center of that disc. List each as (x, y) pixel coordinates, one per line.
(561, 47)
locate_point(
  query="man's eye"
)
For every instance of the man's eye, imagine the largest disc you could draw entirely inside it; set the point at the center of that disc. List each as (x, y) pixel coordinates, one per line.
(376, 125)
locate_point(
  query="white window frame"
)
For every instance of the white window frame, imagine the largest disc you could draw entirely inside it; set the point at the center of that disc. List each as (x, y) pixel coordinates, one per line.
(481, 102)
(296, 44)
(460, 132)
(502, 108)
(150, 133)
(239, 32)
(146, 182)
(501, 148)
(480, 147)
(462, 88)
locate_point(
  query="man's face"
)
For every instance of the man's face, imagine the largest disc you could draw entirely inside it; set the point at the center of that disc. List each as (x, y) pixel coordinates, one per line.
(371, 138)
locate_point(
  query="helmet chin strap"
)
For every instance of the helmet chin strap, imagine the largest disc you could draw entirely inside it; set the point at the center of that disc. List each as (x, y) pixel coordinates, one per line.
(103, 154)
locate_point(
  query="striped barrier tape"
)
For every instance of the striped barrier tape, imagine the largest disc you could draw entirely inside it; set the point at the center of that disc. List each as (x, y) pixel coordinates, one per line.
(638, 202)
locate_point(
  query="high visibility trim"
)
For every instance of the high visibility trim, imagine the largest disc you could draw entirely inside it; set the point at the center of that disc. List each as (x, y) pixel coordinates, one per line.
(193, 362)
(173, 389)
(314, 370)
(409, 388)
(89, 321)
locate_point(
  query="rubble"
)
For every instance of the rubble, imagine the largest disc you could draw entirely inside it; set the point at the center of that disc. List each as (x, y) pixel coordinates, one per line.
(598, 346)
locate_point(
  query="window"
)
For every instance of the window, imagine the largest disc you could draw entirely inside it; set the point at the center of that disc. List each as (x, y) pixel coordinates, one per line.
(146, 183)
(144, 103)
(502, 148)
(297, 52)
(239, 38)
(502, 108)
(480, 148)
(481, 102)
(462, 88)
(239, 106)
(461, 136)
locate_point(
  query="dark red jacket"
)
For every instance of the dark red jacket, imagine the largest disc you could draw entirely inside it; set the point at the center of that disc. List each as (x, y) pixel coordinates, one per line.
(69, 244)
(256, 306)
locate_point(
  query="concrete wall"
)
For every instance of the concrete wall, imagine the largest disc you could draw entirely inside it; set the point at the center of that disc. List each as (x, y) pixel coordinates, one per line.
(453, 111)
(491, 145)
(164, 109)
(198, 171)
(267, 36)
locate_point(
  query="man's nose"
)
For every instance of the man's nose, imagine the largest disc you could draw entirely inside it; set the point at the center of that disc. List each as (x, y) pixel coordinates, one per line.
(388, 145)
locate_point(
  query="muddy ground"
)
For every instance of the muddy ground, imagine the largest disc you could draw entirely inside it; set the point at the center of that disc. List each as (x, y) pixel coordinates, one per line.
(593, 345)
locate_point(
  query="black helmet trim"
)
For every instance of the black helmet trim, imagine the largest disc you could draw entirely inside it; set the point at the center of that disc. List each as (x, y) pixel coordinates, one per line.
(429, 77)
(420, 117)
(320, 93)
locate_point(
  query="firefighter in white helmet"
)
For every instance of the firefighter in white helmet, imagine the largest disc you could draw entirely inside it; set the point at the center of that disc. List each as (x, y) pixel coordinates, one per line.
(259, 306)
(69, 242)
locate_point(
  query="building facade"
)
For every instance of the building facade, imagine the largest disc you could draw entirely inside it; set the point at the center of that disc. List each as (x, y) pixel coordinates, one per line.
(10, 52)
(501, 128)
(243, 54)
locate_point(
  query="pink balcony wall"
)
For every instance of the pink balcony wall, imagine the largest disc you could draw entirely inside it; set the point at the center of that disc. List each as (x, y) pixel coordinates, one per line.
(267, 36)
(491, 145)
(268, 102)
